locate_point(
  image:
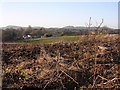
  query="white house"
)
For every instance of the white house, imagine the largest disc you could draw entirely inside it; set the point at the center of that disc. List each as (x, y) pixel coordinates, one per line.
(27, 37)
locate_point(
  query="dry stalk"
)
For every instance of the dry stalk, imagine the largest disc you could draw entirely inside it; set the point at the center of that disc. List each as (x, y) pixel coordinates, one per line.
(94, 81)
(110, 81)
(47, 83)
(70, 77)
(100, 24)
(102, 77)
(89, 24)
(62, 84)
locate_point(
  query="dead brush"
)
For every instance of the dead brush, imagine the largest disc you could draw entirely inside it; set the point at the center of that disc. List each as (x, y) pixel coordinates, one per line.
(106, 74)
(55, 71)
(61, 66)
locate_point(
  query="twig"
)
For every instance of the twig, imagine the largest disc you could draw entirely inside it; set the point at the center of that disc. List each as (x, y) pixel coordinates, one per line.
(111, 80)
(89, 23)
(100, 24)
(102, 77)
(94, 81)
(70, 77)
(62, 84)
(47, 84)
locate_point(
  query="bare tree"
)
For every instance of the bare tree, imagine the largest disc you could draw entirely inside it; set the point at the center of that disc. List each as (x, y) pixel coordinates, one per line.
(88, 26)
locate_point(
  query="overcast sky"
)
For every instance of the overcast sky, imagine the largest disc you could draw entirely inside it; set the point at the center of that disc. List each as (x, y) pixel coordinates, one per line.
(59, 14)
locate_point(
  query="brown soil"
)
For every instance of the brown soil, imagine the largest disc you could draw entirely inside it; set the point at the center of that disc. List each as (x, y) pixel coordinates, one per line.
(86, 64)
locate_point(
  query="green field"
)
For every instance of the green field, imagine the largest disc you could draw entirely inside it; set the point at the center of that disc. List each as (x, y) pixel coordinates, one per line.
(63, 39)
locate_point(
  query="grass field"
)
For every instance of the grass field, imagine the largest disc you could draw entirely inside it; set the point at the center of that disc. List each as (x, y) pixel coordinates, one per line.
(64, 39)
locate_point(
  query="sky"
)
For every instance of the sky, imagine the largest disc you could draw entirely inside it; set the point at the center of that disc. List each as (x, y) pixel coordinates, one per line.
(59, 14)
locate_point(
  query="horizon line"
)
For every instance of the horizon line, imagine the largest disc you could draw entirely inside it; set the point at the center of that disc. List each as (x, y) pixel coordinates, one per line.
(55, 26)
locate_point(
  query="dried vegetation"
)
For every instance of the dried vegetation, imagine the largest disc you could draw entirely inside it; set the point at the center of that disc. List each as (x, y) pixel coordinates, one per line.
(90, 63)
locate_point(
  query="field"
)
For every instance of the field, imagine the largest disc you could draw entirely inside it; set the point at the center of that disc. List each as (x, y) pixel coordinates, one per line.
(64, 39)
(57, 63)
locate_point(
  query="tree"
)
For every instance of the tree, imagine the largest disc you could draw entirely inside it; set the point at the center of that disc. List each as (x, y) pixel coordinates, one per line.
(28, 30)
(9, 35)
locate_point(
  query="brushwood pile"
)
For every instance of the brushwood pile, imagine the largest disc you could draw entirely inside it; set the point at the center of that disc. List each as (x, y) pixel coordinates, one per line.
(62, 66)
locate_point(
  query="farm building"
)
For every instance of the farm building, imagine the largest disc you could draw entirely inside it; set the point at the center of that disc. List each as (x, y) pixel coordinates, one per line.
(27, 37)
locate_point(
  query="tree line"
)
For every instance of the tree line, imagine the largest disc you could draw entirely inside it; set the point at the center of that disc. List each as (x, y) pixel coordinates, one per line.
(11, 34)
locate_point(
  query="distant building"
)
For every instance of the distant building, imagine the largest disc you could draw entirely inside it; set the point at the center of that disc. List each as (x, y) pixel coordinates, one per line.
(27, 37)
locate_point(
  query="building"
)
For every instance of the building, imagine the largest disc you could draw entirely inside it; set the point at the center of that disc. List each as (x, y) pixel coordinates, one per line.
(27, 37)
